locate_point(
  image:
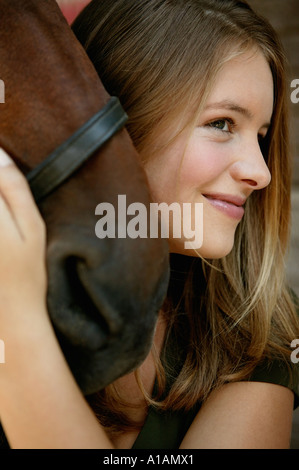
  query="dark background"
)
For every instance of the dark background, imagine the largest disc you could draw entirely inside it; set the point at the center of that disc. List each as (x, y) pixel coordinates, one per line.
(284, 16)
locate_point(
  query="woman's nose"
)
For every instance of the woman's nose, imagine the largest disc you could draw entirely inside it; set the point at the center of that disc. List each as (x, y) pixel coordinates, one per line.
(250, 167)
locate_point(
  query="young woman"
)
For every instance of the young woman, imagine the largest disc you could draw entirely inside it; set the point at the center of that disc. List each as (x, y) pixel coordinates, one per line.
(203, 83)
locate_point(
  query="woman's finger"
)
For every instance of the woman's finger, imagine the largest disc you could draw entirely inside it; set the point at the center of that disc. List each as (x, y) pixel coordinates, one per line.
(8, 223)
(9, 228)
(15, 190)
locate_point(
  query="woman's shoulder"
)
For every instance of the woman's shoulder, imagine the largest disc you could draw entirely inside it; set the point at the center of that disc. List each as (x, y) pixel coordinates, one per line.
(279, 372)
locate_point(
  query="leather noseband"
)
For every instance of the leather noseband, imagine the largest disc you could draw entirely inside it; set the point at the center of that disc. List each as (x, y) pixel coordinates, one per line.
(69, 156)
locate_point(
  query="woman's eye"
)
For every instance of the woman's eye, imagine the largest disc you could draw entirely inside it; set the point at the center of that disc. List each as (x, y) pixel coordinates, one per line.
(223, 125)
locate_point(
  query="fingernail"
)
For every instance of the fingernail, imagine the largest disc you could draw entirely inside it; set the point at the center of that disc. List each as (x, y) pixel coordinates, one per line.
(5, 159)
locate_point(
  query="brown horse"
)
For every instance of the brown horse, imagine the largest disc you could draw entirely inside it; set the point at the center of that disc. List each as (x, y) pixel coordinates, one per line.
(104, 294)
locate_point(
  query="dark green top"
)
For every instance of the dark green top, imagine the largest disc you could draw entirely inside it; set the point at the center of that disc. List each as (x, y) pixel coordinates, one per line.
(166, 430)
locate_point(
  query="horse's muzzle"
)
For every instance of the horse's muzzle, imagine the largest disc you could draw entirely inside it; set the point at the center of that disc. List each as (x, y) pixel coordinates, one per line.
(103, 307)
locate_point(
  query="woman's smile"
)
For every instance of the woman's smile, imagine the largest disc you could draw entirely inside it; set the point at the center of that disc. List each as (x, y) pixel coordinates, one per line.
(228, 204)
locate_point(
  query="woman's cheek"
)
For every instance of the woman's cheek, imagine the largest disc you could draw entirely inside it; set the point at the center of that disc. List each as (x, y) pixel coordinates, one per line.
(203, 163)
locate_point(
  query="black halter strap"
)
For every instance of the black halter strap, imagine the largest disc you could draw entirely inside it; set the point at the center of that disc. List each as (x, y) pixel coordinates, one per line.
(67, 158)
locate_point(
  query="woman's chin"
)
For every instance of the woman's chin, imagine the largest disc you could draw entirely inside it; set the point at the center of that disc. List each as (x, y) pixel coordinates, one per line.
(211, 250)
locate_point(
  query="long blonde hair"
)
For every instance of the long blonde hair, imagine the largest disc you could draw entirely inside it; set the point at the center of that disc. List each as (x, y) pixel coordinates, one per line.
(161, 57)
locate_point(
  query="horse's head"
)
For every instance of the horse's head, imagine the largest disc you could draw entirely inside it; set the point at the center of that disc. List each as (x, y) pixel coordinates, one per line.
(104, 294)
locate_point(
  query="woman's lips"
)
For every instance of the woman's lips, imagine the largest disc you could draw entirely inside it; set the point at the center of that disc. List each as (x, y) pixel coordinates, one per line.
(228, 204)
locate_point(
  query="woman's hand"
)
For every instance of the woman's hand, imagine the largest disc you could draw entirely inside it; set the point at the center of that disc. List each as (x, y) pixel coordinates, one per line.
(23, 280)
(41, 405)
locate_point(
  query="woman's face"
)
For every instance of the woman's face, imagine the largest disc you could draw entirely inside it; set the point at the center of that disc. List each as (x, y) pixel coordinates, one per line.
(221, 163)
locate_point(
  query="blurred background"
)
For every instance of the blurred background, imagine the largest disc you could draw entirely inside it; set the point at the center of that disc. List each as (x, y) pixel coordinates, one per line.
(284, 16)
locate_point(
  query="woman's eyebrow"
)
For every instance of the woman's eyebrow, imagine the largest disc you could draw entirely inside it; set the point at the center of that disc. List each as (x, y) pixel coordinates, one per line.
(231, 106)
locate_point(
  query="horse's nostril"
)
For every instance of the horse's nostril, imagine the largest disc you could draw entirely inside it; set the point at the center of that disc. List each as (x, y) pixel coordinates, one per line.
(80, 298)
(74, 315)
